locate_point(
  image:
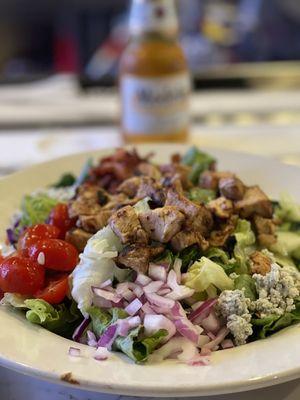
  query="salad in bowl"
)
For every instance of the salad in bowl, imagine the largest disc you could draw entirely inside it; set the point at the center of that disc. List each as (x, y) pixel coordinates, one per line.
(156, 261)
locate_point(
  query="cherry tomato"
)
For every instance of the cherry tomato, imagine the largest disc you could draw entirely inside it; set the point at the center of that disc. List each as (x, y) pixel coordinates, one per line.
(55, 291)
(21, 275)
(57, 254)
(35, 233)
(59, 217)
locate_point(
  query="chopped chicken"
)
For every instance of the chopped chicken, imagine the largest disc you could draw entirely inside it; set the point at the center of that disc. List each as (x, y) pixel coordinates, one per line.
(153, 189)
(135, 256)
(221, 207)
(89, 200)
(210, 179)
(149, 170)
(198, 217)
(130, 186)
(186, 238)
(219, 237)
(93, 223)
(180, 171)
(260, 263)
(232, 188)
(163, 223)
(127, 227)
(254, 201)
(265, 229)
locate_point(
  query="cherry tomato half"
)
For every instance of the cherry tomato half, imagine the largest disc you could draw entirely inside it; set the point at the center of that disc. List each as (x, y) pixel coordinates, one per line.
(35, 233)
(57, 254)
(59, 217)
(55, 291)
(21, 275)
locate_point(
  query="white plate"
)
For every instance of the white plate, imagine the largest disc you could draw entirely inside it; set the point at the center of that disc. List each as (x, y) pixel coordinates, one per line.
(35, 351)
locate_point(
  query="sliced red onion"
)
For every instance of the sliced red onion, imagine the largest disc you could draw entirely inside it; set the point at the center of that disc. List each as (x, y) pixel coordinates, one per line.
(179, 292)
(155, 322)
(196, 305)
(187, 329)
(91, 339)
(178, 311)
(108, 337)
(142, 280)
(203, 340)
(134, 307)
(106, 283)
(147, 309)
(128, 295)
(211, 335)
(199, 359)
(80, 330)
(74, 352)
(211, 323)
(157, 272)
(134, 321)
(177, 269)
(106, 295)
(218, 339)
(153, 287)
(101, 354)
(123, 327)
(160, 301)
(203, 310)
(101, 303)
(227, 344)
(138, 291)
(163, 291)
(205, 352)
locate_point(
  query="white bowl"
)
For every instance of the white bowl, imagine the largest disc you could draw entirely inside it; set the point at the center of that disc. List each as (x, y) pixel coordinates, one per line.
(34, 351)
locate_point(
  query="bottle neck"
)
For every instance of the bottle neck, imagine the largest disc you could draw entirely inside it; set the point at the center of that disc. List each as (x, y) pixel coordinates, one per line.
(155, 17)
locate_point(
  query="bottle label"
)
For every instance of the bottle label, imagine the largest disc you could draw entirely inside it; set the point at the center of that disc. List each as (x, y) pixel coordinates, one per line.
(155, 105)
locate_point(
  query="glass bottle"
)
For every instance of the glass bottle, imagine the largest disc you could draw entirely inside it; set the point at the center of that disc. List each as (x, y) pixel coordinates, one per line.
(154, 76)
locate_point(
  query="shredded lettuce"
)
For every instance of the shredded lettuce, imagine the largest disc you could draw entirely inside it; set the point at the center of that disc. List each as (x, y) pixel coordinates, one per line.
(206, 275)
(199, 161)
(287, 210)
(96, 266)
(35, 209)
(287, 244)
(101, 319)
(246, 283)
(199, 195)
(189, 255)
(220, 257)
(139, 349)
(264, 327)
(245, 240)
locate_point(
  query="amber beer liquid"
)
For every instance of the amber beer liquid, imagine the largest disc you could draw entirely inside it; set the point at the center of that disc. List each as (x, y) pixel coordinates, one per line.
(154, 77)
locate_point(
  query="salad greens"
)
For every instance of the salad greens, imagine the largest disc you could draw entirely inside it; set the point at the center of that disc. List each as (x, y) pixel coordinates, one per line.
(65, 180)
(199, 161)
(246, 283)
(200, 195)
(101, 319)
(36, 209)
(245, 239)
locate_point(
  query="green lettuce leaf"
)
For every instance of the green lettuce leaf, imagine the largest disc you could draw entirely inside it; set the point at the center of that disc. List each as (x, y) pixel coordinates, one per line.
(199, 195)
(102, 319)
(287, 244)
(220, 257)
(245, 240)
(189, 255)
(199, 161)
(246, 283)
(61, 319)
(264, 327)
(36, 209)
(65, 180)
(206, 275)
(166, 257)
(139, 349)
(287, 210)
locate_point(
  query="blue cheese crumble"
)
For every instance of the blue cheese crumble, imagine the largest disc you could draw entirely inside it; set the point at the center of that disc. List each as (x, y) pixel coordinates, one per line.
(277, 291)
(234, 307)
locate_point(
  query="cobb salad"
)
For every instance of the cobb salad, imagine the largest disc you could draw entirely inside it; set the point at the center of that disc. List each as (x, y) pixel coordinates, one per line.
(156, 261)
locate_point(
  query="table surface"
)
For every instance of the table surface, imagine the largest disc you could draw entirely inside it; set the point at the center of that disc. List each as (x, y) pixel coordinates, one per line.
(278, 137)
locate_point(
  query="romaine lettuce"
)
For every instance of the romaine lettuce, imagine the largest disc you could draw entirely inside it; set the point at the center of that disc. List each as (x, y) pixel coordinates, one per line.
(245, 240)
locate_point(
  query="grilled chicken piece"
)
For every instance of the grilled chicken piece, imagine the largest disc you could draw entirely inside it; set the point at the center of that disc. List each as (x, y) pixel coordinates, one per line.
(260, 263)
(265, 229)
(232, 188)
(219, 237)
(163, 223)
(221, 207)
(149, 170)
(93, 223)
(130, 186)
(78, 238)
(135, 256)
(198, 217)
(210, 179)
(156, 249)
(127, 227)
(184, 239)
(254, 202)
(89, 200)
(153, 189)
(180, 171)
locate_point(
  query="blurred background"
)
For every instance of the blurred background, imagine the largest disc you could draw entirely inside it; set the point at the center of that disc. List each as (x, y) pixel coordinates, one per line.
(59, 64)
